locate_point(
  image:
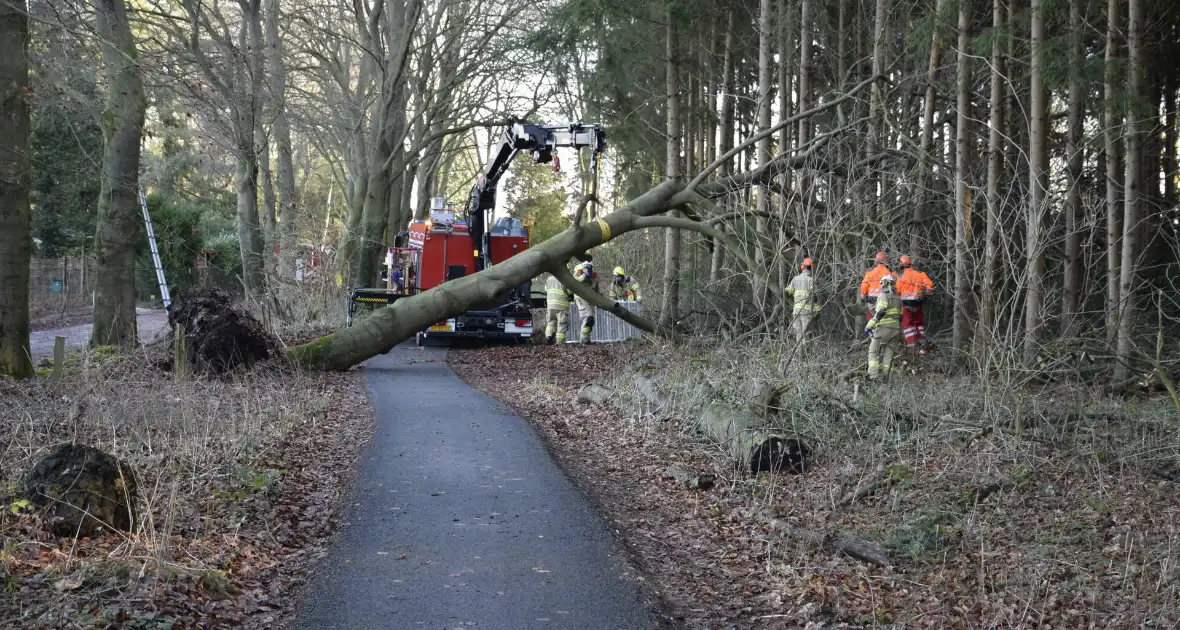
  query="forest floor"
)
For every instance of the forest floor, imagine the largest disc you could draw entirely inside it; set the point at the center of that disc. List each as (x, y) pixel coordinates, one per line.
(998, 504)
(241, 481)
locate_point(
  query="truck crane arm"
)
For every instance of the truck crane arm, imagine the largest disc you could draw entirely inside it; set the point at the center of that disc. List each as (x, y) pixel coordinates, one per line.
(541, 141)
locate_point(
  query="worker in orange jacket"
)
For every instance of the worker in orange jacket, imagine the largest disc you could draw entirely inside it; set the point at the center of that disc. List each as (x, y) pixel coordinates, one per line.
(870, 285)
(914, 287)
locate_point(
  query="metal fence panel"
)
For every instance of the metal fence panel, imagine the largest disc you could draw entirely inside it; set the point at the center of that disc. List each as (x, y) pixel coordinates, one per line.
(607, 327)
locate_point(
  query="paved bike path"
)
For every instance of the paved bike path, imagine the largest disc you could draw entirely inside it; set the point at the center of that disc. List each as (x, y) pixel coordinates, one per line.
(460, 519)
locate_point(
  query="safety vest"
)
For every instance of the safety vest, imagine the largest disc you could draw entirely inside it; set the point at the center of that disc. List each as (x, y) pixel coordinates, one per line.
(870, 286)
(888, 312)
(914, 285)
(556, 295)
(802, 290)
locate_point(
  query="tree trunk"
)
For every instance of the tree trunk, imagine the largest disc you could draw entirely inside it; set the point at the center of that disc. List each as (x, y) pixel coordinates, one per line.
(1170, 140)
(118, 211)
(765, 94)
(250, 237)
(1038, 182)
(266, 181)
(288, 208)
(927, 139)
(806, 34)
(1114, 211)
(962, 198)
(669, 309)
(387, 160)
(1131, 186)
(995, 170)
(876, 107)
(1071, 292)
(15, 241)
(727, 110)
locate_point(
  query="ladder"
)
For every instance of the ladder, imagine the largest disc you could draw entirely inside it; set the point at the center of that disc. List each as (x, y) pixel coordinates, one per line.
(147, 221)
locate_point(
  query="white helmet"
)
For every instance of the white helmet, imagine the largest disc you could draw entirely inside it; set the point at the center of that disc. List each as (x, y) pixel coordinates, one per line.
(888, 279)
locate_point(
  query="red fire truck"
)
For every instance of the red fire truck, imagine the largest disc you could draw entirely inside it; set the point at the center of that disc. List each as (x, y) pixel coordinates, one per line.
(445, 247)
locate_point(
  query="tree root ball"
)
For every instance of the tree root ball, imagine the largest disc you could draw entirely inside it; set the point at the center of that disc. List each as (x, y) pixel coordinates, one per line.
(220, 335)
(780, 454)
(82, 490)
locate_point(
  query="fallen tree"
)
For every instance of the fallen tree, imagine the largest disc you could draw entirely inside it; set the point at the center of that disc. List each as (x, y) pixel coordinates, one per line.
(401, 320)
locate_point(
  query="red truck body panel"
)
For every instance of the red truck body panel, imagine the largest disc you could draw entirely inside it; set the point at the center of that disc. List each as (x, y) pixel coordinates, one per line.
(444, 249)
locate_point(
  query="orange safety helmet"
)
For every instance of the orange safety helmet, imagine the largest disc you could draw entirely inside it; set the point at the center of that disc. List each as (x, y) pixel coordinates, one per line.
(906, 261)
(880, 257)
(806, 264)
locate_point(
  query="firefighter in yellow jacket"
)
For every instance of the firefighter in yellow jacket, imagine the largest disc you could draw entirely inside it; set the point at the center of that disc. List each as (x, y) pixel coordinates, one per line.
(802, 291)
(584, 273)
(557, 310)
(884, 328)
(623, 287)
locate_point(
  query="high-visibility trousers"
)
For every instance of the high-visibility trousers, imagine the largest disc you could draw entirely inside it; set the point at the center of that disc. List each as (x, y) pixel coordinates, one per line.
(913, 323)
(556, 323)
(800, 323)
(886, 342)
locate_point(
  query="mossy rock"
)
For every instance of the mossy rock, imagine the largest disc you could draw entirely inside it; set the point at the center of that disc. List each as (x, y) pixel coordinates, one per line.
(82, 490)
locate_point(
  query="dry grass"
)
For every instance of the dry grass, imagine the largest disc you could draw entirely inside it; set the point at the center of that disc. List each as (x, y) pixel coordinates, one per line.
(207, 454)
(1000, 504)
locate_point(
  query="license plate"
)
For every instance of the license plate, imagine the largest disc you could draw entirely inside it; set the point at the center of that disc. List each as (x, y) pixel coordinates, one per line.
(442, 327)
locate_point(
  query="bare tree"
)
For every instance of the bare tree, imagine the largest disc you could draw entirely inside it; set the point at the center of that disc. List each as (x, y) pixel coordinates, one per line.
(281, 130)
(118, 214)
(962, 193)
(927, 138)
(1136, 112)
(670, 308)
(1114, 213)
(995, 167)
(1038, 183)
(1072, 290)
(15, 242)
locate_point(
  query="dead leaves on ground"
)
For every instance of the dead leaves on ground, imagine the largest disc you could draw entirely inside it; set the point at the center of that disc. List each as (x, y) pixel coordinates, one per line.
(235, 514)
(981, 537)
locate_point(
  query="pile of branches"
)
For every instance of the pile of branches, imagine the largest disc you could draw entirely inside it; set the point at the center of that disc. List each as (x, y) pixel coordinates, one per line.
(219, 333)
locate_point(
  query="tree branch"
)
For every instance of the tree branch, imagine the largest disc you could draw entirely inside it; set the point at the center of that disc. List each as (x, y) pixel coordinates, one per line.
(752, 140)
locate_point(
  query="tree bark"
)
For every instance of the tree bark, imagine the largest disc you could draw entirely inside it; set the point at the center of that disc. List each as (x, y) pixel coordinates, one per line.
(806, 60)
(962, 193)
(765, 94)
(1114, 211)
(876, 107)
(1038, 183)
(927, 139)
(1132, 183)
(387, 160)
(288, 208)
(250, 237)
(15, 241)
(995, 170)
(669, 309)
(1074, 151)
(727, 112)
(118, 211)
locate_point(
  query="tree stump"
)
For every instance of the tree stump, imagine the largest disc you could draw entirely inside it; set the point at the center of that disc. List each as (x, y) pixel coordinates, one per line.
(752, 444)
(82, 489)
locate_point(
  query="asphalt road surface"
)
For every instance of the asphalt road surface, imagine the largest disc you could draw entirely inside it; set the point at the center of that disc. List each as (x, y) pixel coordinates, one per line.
(150, 324)
(460, 519)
